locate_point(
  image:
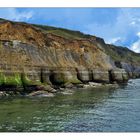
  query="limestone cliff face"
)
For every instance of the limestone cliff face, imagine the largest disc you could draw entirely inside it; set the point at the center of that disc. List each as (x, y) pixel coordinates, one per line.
(36, 48)
(33, 53)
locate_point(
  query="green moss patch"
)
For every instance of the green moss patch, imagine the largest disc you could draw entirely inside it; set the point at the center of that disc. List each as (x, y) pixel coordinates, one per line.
(26, 81)
(74, 81)
(2, 78)
(14, 80)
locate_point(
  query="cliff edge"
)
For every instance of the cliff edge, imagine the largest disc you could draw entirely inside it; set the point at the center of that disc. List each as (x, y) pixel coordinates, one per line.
(36, 55)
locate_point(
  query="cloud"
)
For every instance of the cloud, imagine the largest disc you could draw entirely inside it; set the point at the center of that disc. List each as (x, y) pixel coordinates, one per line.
(125, 25)
(110, 30)
(136, 45)
(108, 23)
(114, 40)
(133, 23)
(14, 14)
(138, 34)
(118, 26)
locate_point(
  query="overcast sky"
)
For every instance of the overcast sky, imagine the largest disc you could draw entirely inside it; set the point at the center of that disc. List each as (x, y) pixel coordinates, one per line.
(119, 26)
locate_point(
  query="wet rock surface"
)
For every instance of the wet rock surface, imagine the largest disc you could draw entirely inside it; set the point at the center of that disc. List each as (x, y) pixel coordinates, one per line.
(41, 94)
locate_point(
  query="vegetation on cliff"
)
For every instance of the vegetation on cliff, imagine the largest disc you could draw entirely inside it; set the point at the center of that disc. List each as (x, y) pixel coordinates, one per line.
(38, 55)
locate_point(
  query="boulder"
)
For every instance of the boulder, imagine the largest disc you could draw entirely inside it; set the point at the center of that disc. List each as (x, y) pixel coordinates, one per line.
(68, 85)
(67, 92)
(41, 94)
(2, 93)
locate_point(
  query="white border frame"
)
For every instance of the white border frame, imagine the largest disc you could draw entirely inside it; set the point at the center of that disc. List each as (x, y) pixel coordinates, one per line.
(69, 3)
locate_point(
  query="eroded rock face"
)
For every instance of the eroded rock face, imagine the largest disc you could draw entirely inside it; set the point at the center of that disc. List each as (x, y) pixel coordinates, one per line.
(22, 32)
(132, 70)
(33, 74)
(36, 57)
(128, 67)
(136, 72)
(84, 74)
(45, 75)
(43, 57)
(118, 75)
(101, 76)
(62, 76)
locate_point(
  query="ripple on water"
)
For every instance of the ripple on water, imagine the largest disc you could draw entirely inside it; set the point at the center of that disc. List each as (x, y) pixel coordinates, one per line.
(88, 110)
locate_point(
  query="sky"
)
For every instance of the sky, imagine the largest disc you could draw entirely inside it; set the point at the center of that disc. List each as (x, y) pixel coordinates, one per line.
(118, 26)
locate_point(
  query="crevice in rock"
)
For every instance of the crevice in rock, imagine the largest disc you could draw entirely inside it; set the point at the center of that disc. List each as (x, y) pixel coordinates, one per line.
(110, 76)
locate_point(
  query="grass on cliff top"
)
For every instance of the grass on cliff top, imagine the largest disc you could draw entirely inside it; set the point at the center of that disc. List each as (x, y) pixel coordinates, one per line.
(122, 54)
(66, 33)
(117, 53)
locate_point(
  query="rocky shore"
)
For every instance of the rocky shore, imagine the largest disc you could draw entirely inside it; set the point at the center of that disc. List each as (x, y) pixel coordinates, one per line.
(51, 82)
(53, 91)
(42, 60)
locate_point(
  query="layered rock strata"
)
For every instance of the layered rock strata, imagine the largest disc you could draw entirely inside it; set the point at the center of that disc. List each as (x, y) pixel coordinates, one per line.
(34, 58)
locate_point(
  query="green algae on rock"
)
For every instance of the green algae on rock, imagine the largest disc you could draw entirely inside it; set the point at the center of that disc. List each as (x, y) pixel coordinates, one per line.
(37, 57)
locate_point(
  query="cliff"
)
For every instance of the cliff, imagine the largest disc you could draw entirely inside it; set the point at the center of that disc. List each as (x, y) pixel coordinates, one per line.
(36, 55)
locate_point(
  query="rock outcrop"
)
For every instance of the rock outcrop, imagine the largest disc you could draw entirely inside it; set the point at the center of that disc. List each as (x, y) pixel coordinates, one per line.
(37, 56)
(84, 74)
(101, 76)
(119, 75)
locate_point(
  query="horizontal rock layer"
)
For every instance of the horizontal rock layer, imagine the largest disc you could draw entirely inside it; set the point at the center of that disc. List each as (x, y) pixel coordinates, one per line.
(37, 56)
(37, 77)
